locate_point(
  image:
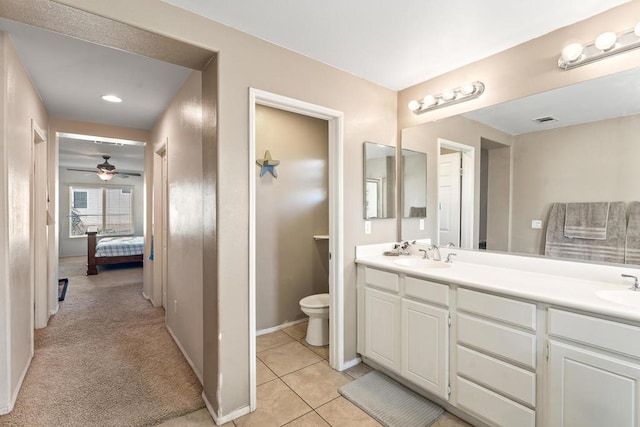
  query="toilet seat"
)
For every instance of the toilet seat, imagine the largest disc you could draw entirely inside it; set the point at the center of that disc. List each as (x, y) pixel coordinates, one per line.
(315, 301)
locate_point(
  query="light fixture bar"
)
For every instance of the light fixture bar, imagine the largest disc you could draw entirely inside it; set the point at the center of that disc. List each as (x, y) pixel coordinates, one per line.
(447, 97)
(606, 45)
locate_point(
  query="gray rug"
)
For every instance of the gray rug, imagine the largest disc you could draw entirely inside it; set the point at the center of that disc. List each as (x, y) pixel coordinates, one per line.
(389, 402)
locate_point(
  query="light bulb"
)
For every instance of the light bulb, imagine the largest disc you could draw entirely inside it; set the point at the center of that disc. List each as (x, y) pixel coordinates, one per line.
(636, 29)
(428, 100)
(467, 90)
(448, 95)
(572, 52)
(414, 105)
(606, 41)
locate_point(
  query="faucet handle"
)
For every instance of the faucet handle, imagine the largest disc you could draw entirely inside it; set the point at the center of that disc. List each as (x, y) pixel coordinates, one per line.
(636, 285)
(449, 260)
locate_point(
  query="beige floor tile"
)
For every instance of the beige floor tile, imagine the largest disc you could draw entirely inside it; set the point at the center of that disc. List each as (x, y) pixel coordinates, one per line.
(312, 419)
(277, 405)
(288, 358)
(263, 374)
(274, 339)
(358, 370)
(297, 332)
(449, 420)
(342, 413)
(316, 384)
(200, 418)
(320, 351)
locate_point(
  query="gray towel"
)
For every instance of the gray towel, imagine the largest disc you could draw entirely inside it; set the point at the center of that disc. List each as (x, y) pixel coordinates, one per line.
(416, 212)
(586, 220)
(632, 245)
(609, 250)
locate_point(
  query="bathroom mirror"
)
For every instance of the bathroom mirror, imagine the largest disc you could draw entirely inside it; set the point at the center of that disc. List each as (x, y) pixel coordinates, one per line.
(379, 181)
(414, 184)
(578, 143)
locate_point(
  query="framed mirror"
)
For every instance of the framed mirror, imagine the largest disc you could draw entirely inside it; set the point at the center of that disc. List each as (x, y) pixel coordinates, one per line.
(574, 144)
(379, 181)
(414, 184)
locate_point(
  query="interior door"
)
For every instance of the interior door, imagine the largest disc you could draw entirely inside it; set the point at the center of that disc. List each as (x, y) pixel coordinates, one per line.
(449, 197)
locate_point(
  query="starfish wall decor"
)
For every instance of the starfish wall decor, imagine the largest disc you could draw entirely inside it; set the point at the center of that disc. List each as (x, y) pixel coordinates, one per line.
(268, 164)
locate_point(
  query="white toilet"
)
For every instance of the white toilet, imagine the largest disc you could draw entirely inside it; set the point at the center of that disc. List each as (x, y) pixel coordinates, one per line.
(317, 308)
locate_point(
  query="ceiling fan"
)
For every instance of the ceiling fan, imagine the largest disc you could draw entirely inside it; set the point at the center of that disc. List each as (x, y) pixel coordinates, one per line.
(106, 170)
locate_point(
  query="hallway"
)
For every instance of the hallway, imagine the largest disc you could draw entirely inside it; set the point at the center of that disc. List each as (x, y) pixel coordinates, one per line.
(106, 358)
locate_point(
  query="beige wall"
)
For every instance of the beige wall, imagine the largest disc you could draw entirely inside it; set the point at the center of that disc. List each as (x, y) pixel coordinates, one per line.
(498, 197)
(591, 162)
(21, 104)
(181, 126)
(425, 138)
(290, 209)
(77, 246)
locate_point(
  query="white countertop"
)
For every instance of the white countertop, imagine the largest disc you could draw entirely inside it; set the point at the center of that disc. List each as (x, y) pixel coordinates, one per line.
(557, 290)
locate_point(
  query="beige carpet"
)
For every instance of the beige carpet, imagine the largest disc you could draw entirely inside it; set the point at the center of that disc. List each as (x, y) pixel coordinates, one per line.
(106, 359)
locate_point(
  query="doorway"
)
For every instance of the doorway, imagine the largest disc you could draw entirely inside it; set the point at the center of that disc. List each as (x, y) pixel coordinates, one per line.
(495, 188)
(336, 274)
(456, 189)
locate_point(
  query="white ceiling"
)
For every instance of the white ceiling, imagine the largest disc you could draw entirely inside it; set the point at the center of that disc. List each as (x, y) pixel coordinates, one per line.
(611, 96)
(397, 43)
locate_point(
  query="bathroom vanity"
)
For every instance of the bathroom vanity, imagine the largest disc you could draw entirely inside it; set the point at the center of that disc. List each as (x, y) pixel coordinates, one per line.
(506, 340)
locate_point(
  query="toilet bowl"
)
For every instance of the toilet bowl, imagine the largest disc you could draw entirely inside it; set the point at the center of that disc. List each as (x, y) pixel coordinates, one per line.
(317, 308)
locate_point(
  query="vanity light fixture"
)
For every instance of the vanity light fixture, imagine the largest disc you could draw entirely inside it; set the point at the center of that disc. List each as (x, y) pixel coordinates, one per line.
(111, 98)
(447, 97)
(606, 44)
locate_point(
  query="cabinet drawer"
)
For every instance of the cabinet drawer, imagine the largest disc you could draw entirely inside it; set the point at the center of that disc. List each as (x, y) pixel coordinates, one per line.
(503, 309)
(427, 291)
(614, 336)
(508, 380)
(497, 339)
(496, 409)
(381, 279)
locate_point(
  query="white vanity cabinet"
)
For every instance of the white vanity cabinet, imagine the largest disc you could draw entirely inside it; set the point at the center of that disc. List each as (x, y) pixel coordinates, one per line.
(406, 328)
(594, 372)
(496, 358)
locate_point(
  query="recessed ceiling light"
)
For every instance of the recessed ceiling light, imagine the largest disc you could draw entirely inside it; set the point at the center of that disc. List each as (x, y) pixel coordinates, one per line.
(111, 98)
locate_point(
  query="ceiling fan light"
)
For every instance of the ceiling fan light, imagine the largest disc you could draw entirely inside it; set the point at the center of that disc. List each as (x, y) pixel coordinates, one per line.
(105, 176)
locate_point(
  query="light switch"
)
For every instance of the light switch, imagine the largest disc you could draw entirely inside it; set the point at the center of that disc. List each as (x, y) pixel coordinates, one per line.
(421, 224)
(367, 227)
(536, 224)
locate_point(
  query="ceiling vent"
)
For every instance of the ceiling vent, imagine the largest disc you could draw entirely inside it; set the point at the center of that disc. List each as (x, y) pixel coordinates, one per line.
(117, 144)
(545, 119)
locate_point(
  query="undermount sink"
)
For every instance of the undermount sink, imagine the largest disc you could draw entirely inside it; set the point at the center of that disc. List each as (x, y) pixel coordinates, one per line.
(421, 263)
(621, 296)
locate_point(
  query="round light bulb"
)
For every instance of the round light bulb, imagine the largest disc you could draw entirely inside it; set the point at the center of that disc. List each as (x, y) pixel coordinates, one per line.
(414, 105)
(428, 100)
(606, 41)
(572, 52)
(467, 90)
(448, 95)
(636, 29)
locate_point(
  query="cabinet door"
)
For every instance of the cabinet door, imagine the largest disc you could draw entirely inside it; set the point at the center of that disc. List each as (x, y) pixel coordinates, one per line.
(425, 347)
(382, 325)
(591, 389)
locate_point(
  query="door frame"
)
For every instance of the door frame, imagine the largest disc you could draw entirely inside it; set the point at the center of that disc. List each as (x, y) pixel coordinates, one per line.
(335, 121)
(42, 291)
(467, 204)
(160, 201)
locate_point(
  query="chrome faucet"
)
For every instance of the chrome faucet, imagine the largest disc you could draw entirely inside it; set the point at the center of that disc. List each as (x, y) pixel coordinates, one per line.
(424, 253)
(636, 285)
(436, 252)
(449, 260)
(451, 245)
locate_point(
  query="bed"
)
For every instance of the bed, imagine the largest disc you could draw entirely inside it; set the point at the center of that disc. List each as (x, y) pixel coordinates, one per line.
(112, 250)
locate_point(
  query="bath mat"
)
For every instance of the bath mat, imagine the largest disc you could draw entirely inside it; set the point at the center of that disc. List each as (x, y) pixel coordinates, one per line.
(389, 402)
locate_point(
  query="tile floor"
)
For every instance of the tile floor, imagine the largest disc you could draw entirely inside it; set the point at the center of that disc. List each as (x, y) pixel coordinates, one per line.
(297, 387)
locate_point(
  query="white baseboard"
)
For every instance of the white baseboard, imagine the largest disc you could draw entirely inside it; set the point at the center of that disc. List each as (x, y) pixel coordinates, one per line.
(279, 327)
(220, 420)
(351, 363)
(14, 394)
(186, 356)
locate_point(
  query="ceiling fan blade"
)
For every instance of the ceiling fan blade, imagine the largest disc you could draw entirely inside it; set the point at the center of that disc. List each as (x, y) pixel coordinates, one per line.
(130, 173)
(82, 170)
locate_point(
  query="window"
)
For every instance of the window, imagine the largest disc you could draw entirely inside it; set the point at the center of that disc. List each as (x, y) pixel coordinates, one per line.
(108, 209)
